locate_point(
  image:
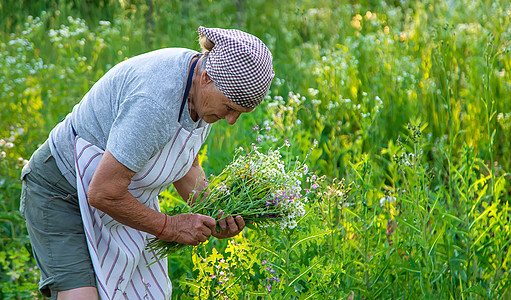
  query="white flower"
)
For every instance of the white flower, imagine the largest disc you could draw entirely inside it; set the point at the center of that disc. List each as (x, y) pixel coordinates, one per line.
(388, 199)
(292, 224)
(278, 81)
(313, 92)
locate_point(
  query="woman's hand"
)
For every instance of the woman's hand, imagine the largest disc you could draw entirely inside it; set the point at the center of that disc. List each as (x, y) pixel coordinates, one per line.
(189, 229)
(229, 226)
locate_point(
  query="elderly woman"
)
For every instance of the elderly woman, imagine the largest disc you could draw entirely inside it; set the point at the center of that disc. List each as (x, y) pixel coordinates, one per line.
(90, 191)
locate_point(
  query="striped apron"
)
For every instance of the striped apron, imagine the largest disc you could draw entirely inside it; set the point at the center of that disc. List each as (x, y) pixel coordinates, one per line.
(124, 268)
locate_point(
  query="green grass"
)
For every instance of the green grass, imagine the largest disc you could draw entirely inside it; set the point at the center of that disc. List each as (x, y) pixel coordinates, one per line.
(409, 101)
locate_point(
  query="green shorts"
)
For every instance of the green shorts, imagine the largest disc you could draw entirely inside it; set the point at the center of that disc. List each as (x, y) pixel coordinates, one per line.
(50, 207)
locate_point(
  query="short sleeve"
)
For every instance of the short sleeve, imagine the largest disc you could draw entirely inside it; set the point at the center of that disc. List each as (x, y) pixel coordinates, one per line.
(141, 128)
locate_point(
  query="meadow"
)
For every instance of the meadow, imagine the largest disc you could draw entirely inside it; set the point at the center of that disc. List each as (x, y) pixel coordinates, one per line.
(409, 103)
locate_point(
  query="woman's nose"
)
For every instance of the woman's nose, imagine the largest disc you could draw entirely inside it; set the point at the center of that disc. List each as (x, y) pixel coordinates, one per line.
(232, 117)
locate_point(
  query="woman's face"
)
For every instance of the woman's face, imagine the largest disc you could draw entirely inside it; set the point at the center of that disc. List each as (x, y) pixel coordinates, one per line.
(211, 105)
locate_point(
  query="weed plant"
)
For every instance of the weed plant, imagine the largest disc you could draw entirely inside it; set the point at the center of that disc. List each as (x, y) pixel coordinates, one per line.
(409, 101)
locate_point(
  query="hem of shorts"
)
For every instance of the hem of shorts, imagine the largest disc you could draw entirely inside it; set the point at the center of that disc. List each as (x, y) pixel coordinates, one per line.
(45, 285)
(70, 286)
(49, 284)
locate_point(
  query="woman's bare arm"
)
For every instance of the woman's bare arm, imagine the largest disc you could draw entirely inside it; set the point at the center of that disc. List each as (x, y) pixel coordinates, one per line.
(191, 185)
(108, 192)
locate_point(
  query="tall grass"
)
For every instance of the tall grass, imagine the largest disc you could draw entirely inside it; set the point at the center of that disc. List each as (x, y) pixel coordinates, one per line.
(408, 100)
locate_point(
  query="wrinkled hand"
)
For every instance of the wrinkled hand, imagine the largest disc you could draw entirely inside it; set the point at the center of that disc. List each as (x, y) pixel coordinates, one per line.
(229, 226)
(189, 229)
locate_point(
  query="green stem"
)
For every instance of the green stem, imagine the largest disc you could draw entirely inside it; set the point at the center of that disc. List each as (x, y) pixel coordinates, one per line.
(490, 57)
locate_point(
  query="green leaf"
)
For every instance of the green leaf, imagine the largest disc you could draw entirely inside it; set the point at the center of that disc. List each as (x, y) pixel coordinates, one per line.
(310, 237)
(301, 274)
(272, 252)
(409, 269)
(214, 256)
(408, 224)
(453, 217)
(479, 217)
(250, 225)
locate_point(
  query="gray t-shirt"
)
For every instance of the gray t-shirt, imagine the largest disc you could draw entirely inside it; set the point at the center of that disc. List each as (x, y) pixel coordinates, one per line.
(132, 111)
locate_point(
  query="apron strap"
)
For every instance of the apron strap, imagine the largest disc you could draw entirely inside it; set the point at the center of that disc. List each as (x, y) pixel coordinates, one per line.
(73, 128)
(187, 89)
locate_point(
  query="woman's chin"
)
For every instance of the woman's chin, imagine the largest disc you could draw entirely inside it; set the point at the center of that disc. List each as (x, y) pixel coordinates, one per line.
(210, 119)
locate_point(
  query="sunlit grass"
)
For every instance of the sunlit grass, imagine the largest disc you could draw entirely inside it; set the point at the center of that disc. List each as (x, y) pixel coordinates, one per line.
(408, 100)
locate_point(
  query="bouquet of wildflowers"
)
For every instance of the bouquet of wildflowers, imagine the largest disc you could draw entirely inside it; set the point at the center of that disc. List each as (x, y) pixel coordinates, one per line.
(256, 186)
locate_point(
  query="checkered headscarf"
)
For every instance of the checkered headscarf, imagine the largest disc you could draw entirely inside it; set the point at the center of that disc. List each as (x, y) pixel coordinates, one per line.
(239, 64)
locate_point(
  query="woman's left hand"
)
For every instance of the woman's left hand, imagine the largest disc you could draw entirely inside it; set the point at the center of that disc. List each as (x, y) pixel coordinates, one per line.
(229, 226)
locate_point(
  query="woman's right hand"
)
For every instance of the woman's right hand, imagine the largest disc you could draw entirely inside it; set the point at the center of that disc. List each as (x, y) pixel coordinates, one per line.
(189, 229)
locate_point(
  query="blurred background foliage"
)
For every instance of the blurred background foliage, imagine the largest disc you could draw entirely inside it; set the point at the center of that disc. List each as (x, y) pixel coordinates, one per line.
(350, 74)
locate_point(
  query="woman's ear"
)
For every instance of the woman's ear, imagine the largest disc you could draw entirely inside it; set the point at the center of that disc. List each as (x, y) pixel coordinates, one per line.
(204, 78)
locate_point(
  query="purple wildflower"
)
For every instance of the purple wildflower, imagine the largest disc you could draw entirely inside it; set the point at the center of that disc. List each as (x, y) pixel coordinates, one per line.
(256, 127)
